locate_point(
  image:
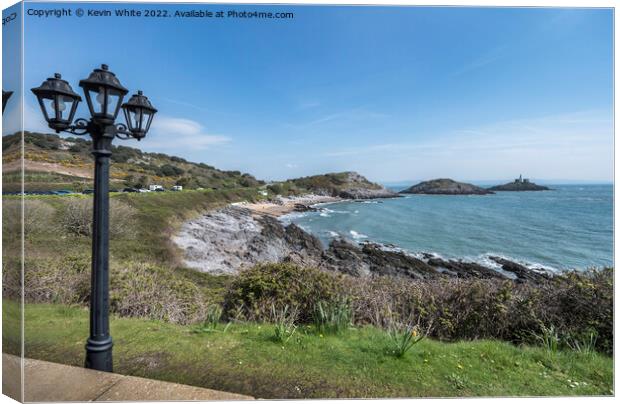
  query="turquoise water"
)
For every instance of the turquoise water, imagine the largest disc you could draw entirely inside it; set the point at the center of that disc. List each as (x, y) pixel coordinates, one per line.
(568, 227)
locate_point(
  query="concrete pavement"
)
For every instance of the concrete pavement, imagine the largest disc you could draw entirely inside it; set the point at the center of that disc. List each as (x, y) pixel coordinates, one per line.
(47, 381)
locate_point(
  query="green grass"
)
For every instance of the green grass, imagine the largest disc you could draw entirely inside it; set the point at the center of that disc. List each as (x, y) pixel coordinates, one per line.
(356, 363)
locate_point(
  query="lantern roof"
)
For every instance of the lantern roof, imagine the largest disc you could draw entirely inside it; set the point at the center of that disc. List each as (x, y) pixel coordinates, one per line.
(103, 78)
(53, 86)
(139, 100)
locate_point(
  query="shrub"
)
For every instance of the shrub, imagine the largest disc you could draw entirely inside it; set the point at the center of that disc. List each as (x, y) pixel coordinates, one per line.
(572, 303)
(146, 290)
(76, 218)
(255, 290)
(38, 217)
(63, 280)
(168, 170)
(449, 308)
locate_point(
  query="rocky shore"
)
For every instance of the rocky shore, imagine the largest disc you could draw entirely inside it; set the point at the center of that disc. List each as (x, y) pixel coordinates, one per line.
(237, 237)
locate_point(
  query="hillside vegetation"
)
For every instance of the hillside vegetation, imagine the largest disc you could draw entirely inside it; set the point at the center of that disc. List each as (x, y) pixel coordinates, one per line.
(53, 162)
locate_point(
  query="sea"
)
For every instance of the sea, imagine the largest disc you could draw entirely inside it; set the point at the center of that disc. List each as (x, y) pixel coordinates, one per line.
(568, 227)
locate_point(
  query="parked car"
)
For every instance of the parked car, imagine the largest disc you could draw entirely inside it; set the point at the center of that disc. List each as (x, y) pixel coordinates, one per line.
(160, 190)
(62, 192)
(88, 191)
(130, 190)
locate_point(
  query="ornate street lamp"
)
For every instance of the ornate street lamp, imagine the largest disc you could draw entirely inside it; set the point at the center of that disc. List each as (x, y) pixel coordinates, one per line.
(5, 97)
(104, 96)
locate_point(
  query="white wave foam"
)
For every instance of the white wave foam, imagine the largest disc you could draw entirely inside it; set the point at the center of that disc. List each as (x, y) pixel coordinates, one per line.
(356, 235)
(291, 217)
(485, 259)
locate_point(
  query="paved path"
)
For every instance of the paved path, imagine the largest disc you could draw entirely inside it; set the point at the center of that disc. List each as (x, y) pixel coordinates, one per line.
(46, 381)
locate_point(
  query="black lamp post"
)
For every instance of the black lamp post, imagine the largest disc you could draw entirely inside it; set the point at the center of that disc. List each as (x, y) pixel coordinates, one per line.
(5, 97)
(104, 96)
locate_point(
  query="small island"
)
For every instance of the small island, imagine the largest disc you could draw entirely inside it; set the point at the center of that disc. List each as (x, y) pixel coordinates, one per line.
(446, 186)
(519, 184)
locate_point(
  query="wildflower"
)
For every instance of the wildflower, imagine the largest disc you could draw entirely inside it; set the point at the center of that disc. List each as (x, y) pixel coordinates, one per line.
(459, 366)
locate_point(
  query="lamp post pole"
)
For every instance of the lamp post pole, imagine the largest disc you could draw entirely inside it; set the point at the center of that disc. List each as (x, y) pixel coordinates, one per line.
(104, 96)
(99, 343)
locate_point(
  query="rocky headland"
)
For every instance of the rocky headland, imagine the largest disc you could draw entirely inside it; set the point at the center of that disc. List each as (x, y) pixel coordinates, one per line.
(346, 185)
(445, 186)
(236, 237)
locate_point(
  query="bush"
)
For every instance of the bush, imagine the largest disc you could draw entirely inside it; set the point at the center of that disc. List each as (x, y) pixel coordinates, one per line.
(76, 218)
(38, 217)
(57, 280)
(575, 305)
(254, 291)
(146, 290)
(168, 170)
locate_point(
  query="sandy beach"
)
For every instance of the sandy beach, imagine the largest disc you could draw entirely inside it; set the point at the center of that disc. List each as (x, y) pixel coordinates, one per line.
(286, 205)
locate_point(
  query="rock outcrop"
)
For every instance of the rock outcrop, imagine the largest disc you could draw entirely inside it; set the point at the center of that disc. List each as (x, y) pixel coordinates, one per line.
(519, 185)
(371, 259)
(464, 269)
(445, 186)
(522, 272)
(228, 240)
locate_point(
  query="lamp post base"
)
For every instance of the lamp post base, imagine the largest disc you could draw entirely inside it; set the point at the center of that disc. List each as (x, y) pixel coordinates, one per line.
(99, 355)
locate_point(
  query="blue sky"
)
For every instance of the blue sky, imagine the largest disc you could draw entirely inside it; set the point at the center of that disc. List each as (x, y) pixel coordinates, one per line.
(394, 93)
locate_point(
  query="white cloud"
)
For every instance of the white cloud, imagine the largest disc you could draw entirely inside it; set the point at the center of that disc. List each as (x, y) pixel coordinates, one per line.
(169, 133)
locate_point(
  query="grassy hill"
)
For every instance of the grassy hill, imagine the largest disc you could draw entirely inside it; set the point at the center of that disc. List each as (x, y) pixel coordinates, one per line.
(53, 162)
